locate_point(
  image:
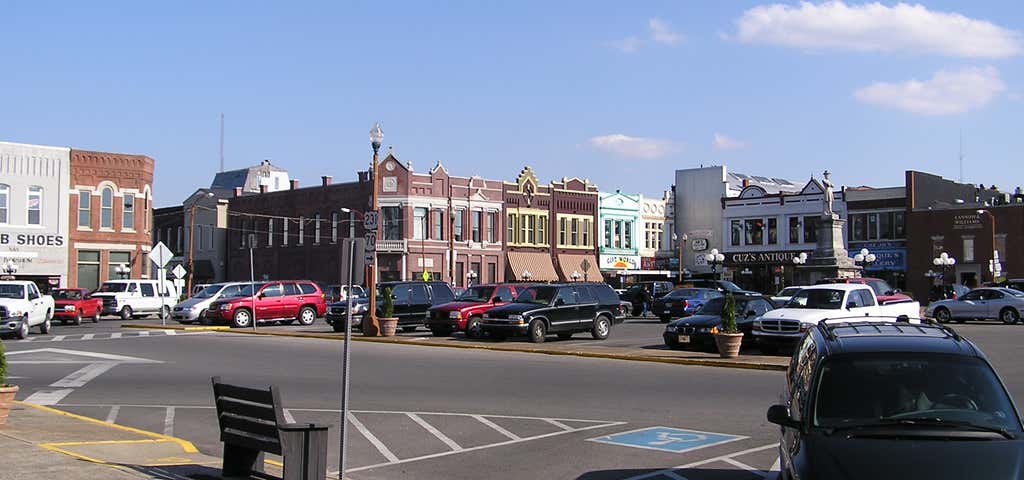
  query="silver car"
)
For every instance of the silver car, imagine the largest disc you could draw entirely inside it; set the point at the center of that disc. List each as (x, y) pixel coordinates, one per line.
(1004, 304)
(194, 308)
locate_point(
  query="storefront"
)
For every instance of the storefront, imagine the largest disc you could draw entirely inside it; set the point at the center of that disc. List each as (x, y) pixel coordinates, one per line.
(765, 272)
(890, 261)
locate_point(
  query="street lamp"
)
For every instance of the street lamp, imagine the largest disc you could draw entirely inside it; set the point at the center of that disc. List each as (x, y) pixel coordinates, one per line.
(864, 258)
(800, 259)
(122, 271)
(471, 276)
(192, 238)
(526, 275)
(575, 276)
(10, 268)
(680, 241)
(714, 259)
(944, 261)
(376, 137)
(992, 220)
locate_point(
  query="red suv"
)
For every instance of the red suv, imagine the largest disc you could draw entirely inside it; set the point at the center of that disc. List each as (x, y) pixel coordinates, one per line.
(284, 301)
(883, 291)
(465, 313)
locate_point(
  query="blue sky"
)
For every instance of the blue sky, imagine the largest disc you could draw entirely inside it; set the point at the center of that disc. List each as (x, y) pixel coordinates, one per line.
(620, 92)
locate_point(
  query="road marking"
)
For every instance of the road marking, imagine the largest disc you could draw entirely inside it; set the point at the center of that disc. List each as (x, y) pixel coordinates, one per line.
(112, 416)
(496, 427)
(57, 338)
(737, 463)
(48, 397)
(288, 415)
(170, 332)
(671, 471)
(115, 335)
(144, 333)
(169, 422)
(88, 336)
(558, 424)
(84, 375)
(90, 357)
(373, 439)
(667, 439)
(437, 433)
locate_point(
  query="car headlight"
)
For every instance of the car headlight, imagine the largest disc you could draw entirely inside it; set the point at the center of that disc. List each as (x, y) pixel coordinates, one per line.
(670, 328)
(515, 316)
(805, 327)
(69, 308)
(455, 315)
(756, 325)
(226, 306)
(16, 313)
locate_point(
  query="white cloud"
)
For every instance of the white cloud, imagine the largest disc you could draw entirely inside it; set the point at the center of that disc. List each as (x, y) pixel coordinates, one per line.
(723, 142)
(634, 147)
(662, 33)
(947, 92)
(876, 27)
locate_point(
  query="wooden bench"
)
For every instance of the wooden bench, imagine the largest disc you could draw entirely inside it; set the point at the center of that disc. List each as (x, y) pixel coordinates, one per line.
(252, 423)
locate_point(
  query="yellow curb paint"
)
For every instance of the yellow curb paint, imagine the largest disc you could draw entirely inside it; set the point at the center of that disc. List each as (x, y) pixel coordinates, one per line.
(212, 328)
(184, 444)
(104, 442)
(73, 454)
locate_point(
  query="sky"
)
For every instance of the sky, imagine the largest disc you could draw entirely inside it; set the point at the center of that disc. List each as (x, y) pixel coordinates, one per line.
(621, 93)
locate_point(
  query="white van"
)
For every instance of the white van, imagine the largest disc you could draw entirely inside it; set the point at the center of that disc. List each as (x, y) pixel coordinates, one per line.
(137, 298)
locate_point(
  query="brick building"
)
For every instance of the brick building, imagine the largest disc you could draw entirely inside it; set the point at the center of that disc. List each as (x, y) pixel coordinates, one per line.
(110, 216)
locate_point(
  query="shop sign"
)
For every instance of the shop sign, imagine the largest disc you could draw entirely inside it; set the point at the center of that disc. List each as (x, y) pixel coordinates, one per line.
(894, 259)
(967, 221)
(746, 258)
(35, 253)
(630, 262)
(699, 244)
(649, 263)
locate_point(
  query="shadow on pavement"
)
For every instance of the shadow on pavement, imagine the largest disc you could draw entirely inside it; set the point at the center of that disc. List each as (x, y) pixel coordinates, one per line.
(689, 474)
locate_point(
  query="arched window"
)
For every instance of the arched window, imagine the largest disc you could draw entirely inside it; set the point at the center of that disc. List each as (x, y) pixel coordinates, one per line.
(107, 208)
(5, 198)
(35, 205)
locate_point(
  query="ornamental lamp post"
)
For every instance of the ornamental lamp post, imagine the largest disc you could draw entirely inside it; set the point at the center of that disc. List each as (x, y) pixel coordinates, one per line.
(798, 260)
(992, 222)
(376, 137)
(10, 268)
(526, 275)
(714, 259)
(122, 271)
(471, 276)
(945, 262)
(864, 258)
(575, 276)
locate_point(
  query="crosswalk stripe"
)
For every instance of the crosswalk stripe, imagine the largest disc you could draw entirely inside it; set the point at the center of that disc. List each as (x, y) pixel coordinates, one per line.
(435, 432)
(88, 336)
(115, 335)
(57, 338)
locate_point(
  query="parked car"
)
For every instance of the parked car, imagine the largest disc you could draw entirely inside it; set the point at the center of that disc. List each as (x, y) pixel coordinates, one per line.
(943, 292)
(194, 308)
(198, 288)
(698, 331)
(336, 311)
(882, 400)
(466, 312)
(563, 309)
(283, 301)
(784, 327)
(74, 304)
(137, 298)
(635, 293)
(1014, 283)
(883, 291)
(682, 302)
(781, 298)
(23, 307)
(1005, 304)
(339, 293)
(412, 301)
(720, 285)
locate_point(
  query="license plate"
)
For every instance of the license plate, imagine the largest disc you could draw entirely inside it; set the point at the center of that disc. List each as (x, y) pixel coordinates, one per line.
(684, 339)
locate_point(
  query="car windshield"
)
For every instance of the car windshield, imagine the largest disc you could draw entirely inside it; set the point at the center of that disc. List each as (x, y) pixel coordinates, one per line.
(715, 306)
(869, 389)
(817, 298)
(1014, 292)
(247, 290)
(537, 295)
(683, 293)
(209, 292)
(113, 287)
(789, 291)
(732, 287)
(12, 291)
(67, 294)
(477, 294)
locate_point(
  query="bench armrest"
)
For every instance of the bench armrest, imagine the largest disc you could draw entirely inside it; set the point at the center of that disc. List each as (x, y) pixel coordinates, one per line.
(301, 427)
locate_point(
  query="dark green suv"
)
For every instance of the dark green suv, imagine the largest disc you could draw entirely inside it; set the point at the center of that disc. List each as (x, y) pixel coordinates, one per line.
(563, 309)
(412, 301)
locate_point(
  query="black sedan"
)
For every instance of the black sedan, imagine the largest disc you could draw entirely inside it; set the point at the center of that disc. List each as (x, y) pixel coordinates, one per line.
(699, 331)
(682, 302)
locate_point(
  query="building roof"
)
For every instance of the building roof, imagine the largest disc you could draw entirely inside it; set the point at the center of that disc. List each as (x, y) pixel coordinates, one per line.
(247, 178)
(771, 185)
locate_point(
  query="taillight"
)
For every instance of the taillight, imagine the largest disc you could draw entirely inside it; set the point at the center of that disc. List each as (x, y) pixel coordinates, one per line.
(686, 304)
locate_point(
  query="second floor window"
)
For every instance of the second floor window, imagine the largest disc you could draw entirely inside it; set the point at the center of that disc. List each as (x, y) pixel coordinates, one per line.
(302, 230)
(492, 218)
(85, 209)
(458, 225)
(128, 212)
(107, 208)
(475, 221)
(316, 229)
(334, 227)
(35, 205)
(439, 224)
(391, 223)
(419, 223)
(270, 232)
(5, 195)
(810, 229)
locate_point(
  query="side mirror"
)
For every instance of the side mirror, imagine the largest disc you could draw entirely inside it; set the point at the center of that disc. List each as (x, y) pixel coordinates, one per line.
(751, 313)
(559, 302)
(779, 415)
(896, 291)
(261, 295)
(851, 305)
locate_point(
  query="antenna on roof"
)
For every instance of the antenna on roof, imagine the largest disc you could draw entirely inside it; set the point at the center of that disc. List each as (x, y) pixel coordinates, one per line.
(961, 155)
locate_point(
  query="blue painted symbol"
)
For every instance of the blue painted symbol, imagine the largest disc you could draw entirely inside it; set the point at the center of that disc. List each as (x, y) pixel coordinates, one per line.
(667, 439)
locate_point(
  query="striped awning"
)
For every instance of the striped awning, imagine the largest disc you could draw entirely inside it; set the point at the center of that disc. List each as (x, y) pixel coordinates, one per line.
(586, 265)
(537, 263)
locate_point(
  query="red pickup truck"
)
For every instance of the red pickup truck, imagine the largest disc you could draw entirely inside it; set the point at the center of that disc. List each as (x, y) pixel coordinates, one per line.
(465, 313)
(883, 291)
(74, 304)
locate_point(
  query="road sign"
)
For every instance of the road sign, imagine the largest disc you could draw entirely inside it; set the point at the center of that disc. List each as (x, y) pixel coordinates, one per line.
(179, 271)
(370, 259)
(371, 220)
(160, 255)
(667, 439)
(371, 241)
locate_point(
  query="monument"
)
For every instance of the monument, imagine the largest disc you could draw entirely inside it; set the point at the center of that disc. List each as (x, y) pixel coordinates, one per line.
(830, 258)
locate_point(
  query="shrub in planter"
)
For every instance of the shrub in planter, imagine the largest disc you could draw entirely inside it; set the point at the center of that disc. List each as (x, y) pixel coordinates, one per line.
(7, 392)
(729, 337)
(388, 322)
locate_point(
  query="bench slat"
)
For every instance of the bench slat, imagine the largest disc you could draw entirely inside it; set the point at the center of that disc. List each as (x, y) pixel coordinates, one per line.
(247, 425)
(255, 395)
(262, 412)
(250, 441)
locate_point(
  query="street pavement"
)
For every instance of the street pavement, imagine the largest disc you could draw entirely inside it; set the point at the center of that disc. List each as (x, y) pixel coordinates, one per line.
(444, 413)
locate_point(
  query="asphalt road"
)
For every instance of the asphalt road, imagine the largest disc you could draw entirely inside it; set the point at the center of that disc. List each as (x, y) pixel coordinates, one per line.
(422, 412)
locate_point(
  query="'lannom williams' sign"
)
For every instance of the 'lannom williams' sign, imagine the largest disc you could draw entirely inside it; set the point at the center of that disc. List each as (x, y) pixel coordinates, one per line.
(968, 221)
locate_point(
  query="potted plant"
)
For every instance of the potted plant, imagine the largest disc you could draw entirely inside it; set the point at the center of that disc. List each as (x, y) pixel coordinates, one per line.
(728, 338)
(388, 321)
(6, 391)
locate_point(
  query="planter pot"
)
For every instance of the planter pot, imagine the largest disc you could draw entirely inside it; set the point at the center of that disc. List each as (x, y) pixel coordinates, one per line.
(6, 397)
(729, 344)
(388, 326)
(369, 329)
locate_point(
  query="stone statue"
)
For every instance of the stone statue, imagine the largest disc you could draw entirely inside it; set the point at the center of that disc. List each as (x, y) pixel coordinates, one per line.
(827, 184)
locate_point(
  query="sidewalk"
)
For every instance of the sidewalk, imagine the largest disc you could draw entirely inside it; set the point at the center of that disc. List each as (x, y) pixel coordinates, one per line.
(42, 443)
(320, 331)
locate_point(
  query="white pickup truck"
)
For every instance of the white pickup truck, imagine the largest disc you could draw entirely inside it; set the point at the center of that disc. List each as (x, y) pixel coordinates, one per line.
(22, 307)
(783, 328)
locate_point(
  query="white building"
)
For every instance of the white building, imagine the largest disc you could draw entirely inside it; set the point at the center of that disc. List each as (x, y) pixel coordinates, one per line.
(34, 183)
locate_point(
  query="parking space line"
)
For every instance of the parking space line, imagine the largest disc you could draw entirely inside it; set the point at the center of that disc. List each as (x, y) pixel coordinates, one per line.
(496, 427)
(169, 422)
(288, 415)
(721, 458)
(737, 463)
(144, 333)
(48, 397)
(88, 336)
(57, 338)
(437, 433)
(558, 424)
(373, 439)
(112, 416)
(84, 375)
(115, 335)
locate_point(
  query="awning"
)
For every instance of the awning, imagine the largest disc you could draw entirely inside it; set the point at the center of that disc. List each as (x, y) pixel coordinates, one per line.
(585, 265)
(537, 263)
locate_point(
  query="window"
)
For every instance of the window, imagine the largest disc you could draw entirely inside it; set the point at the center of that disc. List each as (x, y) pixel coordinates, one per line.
(107, 209)
(148, 290)
(302, 230)
(561, 231)
(198, 240)
(284, 231)
(475, 219)
(460, 275)
(754, 231)
(84, 209)
(418, 295)
(492, 275)
(566, 296)
(291, 289)
(510, 229)
(542, 230)
(858, 227)
(35, 205)
(308, 288)
(737, 231)
(627, 234)
(439, 224)
(5, 196)
(270, 232)
(1001, 246)
(334, 227)
(179, 241)
(492, 218)
(529, 228)
(116, 259)
(773, 231)
(128, 212)
(810, 229)
(968, 249)
(586, 232)
(273, 290)
(475, 268)
(503, 293)
(574, 232)
(608, 234)
(885, 225)
(458, 224)
(316, 229)
(88, 269)
(419, 223)
(866, 298)
(873, 225)
(794, 229)
(899, 229)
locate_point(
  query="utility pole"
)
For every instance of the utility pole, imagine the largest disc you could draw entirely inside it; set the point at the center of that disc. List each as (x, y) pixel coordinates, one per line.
(451, 236)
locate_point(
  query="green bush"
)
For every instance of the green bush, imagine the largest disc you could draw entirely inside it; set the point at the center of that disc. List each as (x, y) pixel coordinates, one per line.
(729, 315)
(388, 307)
(3, 366)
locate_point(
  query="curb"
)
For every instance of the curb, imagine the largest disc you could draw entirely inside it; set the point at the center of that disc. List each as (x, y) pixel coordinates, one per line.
(185, 445)
(576, 353)
(176, 327)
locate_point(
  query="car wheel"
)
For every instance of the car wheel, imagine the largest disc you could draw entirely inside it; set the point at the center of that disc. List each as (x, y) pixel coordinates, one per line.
(409, 329)
(44, 328)
(1009, 316)
(306, 316)
(665, 318)
(943, 315)
(22, 332)
(538, 331)
(78, 318)
(241, 319)
(474, 329)
(126, 313)
(602, 327)
(441, 331)
(565, 335)
(96, 317)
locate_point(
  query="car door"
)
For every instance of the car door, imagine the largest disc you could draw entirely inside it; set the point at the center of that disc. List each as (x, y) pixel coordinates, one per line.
(401, 295)
(855, 305)
(562, 316)
(994, 302)
(419, 303)
(149, 302)
(290, 301)
(586, 306)
(970, 305)
(37, 314)
(798, 391)
(268, 302)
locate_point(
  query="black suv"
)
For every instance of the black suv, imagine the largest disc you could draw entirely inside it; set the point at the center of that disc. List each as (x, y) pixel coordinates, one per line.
(893, 400)
(564, 309)
(411, 300)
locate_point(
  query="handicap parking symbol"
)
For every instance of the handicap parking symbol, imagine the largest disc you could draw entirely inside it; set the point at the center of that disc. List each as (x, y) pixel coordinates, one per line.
(667, 439)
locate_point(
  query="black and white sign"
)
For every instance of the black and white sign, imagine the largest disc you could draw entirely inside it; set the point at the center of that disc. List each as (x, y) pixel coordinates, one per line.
(371, 220)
